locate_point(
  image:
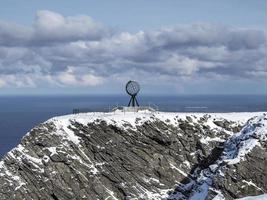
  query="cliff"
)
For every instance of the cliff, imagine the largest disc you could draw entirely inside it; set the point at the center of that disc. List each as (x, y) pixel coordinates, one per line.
(144, 155)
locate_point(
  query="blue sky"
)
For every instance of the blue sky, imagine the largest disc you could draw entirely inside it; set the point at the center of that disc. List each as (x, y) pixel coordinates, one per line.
(140, 14)
(170, 47)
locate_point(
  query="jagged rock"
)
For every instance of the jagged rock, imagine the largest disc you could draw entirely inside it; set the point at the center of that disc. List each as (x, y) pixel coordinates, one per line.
(228, 125)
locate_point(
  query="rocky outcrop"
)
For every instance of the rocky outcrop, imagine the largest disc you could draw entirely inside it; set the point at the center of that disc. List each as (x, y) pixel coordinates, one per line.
(244, 162)
(142, 155)
(247, 178)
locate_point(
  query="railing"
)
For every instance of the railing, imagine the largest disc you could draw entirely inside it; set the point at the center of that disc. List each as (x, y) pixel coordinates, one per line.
(154, 106)
(86, 110)
(81, 110)
(150, 107)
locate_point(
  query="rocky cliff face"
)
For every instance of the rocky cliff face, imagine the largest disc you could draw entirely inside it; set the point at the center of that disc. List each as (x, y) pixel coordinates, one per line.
(141, 155)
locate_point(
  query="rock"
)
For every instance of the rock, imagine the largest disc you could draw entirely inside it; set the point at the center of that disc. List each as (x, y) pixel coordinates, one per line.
(246, 178)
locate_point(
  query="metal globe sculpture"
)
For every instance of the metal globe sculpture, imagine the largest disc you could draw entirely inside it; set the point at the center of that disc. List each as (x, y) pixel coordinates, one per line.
(132, 88)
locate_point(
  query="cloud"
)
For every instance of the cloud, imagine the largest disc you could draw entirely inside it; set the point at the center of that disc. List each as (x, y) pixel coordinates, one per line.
(17, 81)
(14, 34)
(77, 51)
(2, 83)
(70, 78)
(245, 39)
(49, 28)
(53, 27)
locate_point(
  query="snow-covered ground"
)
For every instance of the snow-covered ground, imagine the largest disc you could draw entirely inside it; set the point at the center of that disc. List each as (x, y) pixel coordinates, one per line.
(130, 117)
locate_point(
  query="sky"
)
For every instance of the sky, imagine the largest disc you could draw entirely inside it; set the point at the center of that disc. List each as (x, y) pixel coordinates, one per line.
(171, 47)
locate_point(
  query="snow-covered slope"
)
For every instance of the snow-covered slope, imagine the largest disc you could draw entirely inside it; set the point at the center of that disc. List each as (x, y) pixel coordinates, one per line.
(144, 155)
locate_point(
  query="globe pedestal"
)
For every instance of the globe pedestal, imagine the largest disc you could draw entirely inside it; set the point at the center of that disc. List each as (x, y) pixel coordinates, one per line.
(133, 102)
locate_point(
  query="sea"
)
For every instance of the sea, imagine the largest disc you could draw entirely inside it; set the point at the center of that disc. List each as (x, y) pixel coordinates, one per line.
(18, 114)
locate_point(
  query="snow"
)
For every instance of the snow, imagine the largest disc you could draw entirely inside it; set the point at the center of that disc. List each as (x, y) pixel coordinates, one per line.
(93, 170)
(206, 140)
(252, 184)
(1, 164)
(177, 169)
(187, 163)
(260, 197)
(111, 193)
(63, 127)
(151, 195)
(120, 118)
(20, 185)
(52, 150)
(151, 180)
(33, 159)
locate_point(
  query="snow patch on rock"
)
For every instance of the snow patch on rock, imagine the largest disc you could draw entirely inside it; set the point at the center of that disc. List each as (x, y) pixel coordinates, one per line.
(243, 142)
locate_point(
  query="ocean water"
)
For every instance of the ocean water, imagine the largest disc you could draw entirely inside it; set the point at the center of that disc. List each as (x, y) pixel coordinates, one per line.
(18, 114)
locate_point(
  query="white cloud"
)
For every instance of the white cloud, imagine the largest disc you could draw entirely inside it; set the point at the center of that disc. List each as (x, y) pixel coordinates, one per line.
(49, 28)
(53, 27)
(18, 81)
(2, 83)
(42, 54)
(91, 80)
(72, 78)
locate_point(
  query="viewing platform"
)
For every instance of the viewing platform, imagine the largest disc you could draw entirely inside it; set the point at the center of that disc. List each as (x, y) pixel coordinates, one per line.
(134, 108)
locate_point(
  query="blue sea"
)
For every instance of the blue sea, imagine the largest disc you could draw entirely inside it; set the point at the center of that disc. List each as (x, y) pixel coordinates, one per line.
(18, 114)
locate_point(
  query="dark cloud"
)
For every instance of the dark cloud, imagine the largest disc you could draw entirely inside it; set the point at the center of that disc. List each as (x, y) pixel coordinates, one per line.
(14, 35)
(60, 51)
(245, 39)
